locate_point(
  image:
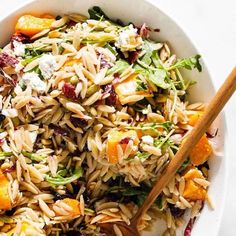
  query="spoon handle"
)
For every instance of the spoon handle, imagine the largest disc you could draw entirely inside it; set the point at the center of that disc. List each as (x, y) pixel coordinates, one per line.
(212, 110)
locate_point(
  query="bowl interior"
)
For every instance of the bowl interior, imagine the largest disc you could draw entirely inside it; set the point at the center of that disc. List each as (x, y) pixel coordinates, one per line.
(138, 12)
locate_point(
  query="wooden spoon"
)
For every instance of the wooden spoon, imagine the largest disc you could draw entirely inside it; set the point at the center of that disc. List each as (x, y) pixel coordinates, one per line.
(212, 110)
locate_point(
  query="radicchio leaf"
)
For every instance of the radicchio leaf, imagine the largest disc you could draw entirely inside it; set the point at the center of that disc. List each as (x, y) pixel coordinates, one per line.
(7, 60)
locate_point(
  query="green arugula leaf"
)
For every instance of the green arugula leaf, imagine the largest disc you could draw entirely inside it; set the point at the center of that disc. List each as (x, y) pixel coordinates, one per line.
(143, 155)
(34, 157)
(158, 78)
(188, 63)
(119, 67)
(183, 166)
(148, 48)
(141, 86)
(60, 180)
(28, 60)
(97, 13)
(5, 154)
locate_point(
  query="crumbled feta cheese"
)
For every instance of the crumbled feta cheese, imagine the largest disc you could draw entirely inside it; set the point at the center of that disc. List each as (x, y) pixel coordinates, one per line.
(47, 65)
(19, 48)
(147, 139)
(32, 79)
(129, 39)
(18, 67)
(10, 112)
(33, 136)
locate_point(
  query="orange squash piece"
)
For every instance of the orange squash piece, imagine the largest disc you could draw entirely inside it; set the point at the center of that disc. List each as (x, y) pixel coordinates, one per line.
(128, 87)
(30, 25)
(74, 204)
(201, 152)
(5, 201)
(194, 118)
(114, 139)
(193, 191)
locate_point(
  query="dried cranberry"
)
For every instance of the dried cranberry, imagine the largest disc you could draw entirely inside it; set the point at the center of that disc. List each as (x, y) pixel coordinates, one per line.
(111, 100)
(19, 38)
(9, 170)
(156, 30)
(212, 133)
(6, 59)
(59, 130)
(71, 23)
(69, 91)
(189, 227)
(133, 57)
(175, 211)
(144, 31)
(1, 141)
(78, 122)
(125, 140)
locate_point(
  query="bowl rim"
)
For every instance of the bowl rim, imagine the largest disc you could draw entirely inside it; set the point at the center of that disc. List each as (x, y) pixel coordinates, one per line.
(154, 3)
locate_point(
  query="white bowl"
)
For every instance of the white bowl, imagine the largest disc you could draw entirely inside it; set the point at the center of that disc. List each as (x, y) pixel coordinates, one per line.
(139, 11)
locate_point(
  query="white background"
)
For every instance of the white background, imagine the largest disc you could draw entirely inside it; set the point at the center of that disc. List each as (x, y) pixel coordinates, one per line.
(211, 24)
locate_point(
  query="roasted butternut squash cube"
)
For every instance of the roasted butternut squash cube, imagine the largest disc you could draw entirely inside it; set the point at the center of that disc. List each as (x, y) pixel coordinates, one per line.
(193, 191)
(5, 201)
(30, 25)
(201, 152)
(130, 87)
(122, 138)
(194, 118)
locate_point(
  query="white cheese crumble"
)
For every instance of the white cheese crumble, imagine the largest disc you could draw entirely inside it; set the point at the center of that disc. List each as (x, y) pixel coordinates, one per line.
(129, 39)
(47, 65)
(10, 112)
(19, 48)
(32, 79)
(147, 139)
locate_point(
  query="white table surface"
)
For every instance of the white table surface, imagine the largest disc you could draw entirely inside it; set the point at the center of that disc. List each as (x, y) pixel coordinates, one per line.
(212, 26)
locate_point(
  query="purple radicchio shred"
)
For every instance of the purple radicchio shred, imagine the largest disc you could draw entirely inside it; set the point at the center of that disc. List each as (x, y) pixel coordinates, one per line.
(125, 140)
(1, 141)
(19, 38)
(133, 57)
(175, 211)
(78, 122)
(104, 62)
(189, 227)
(59, 130)
(9, 169)
(7, 60)
(111, 100)
(69, 91)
